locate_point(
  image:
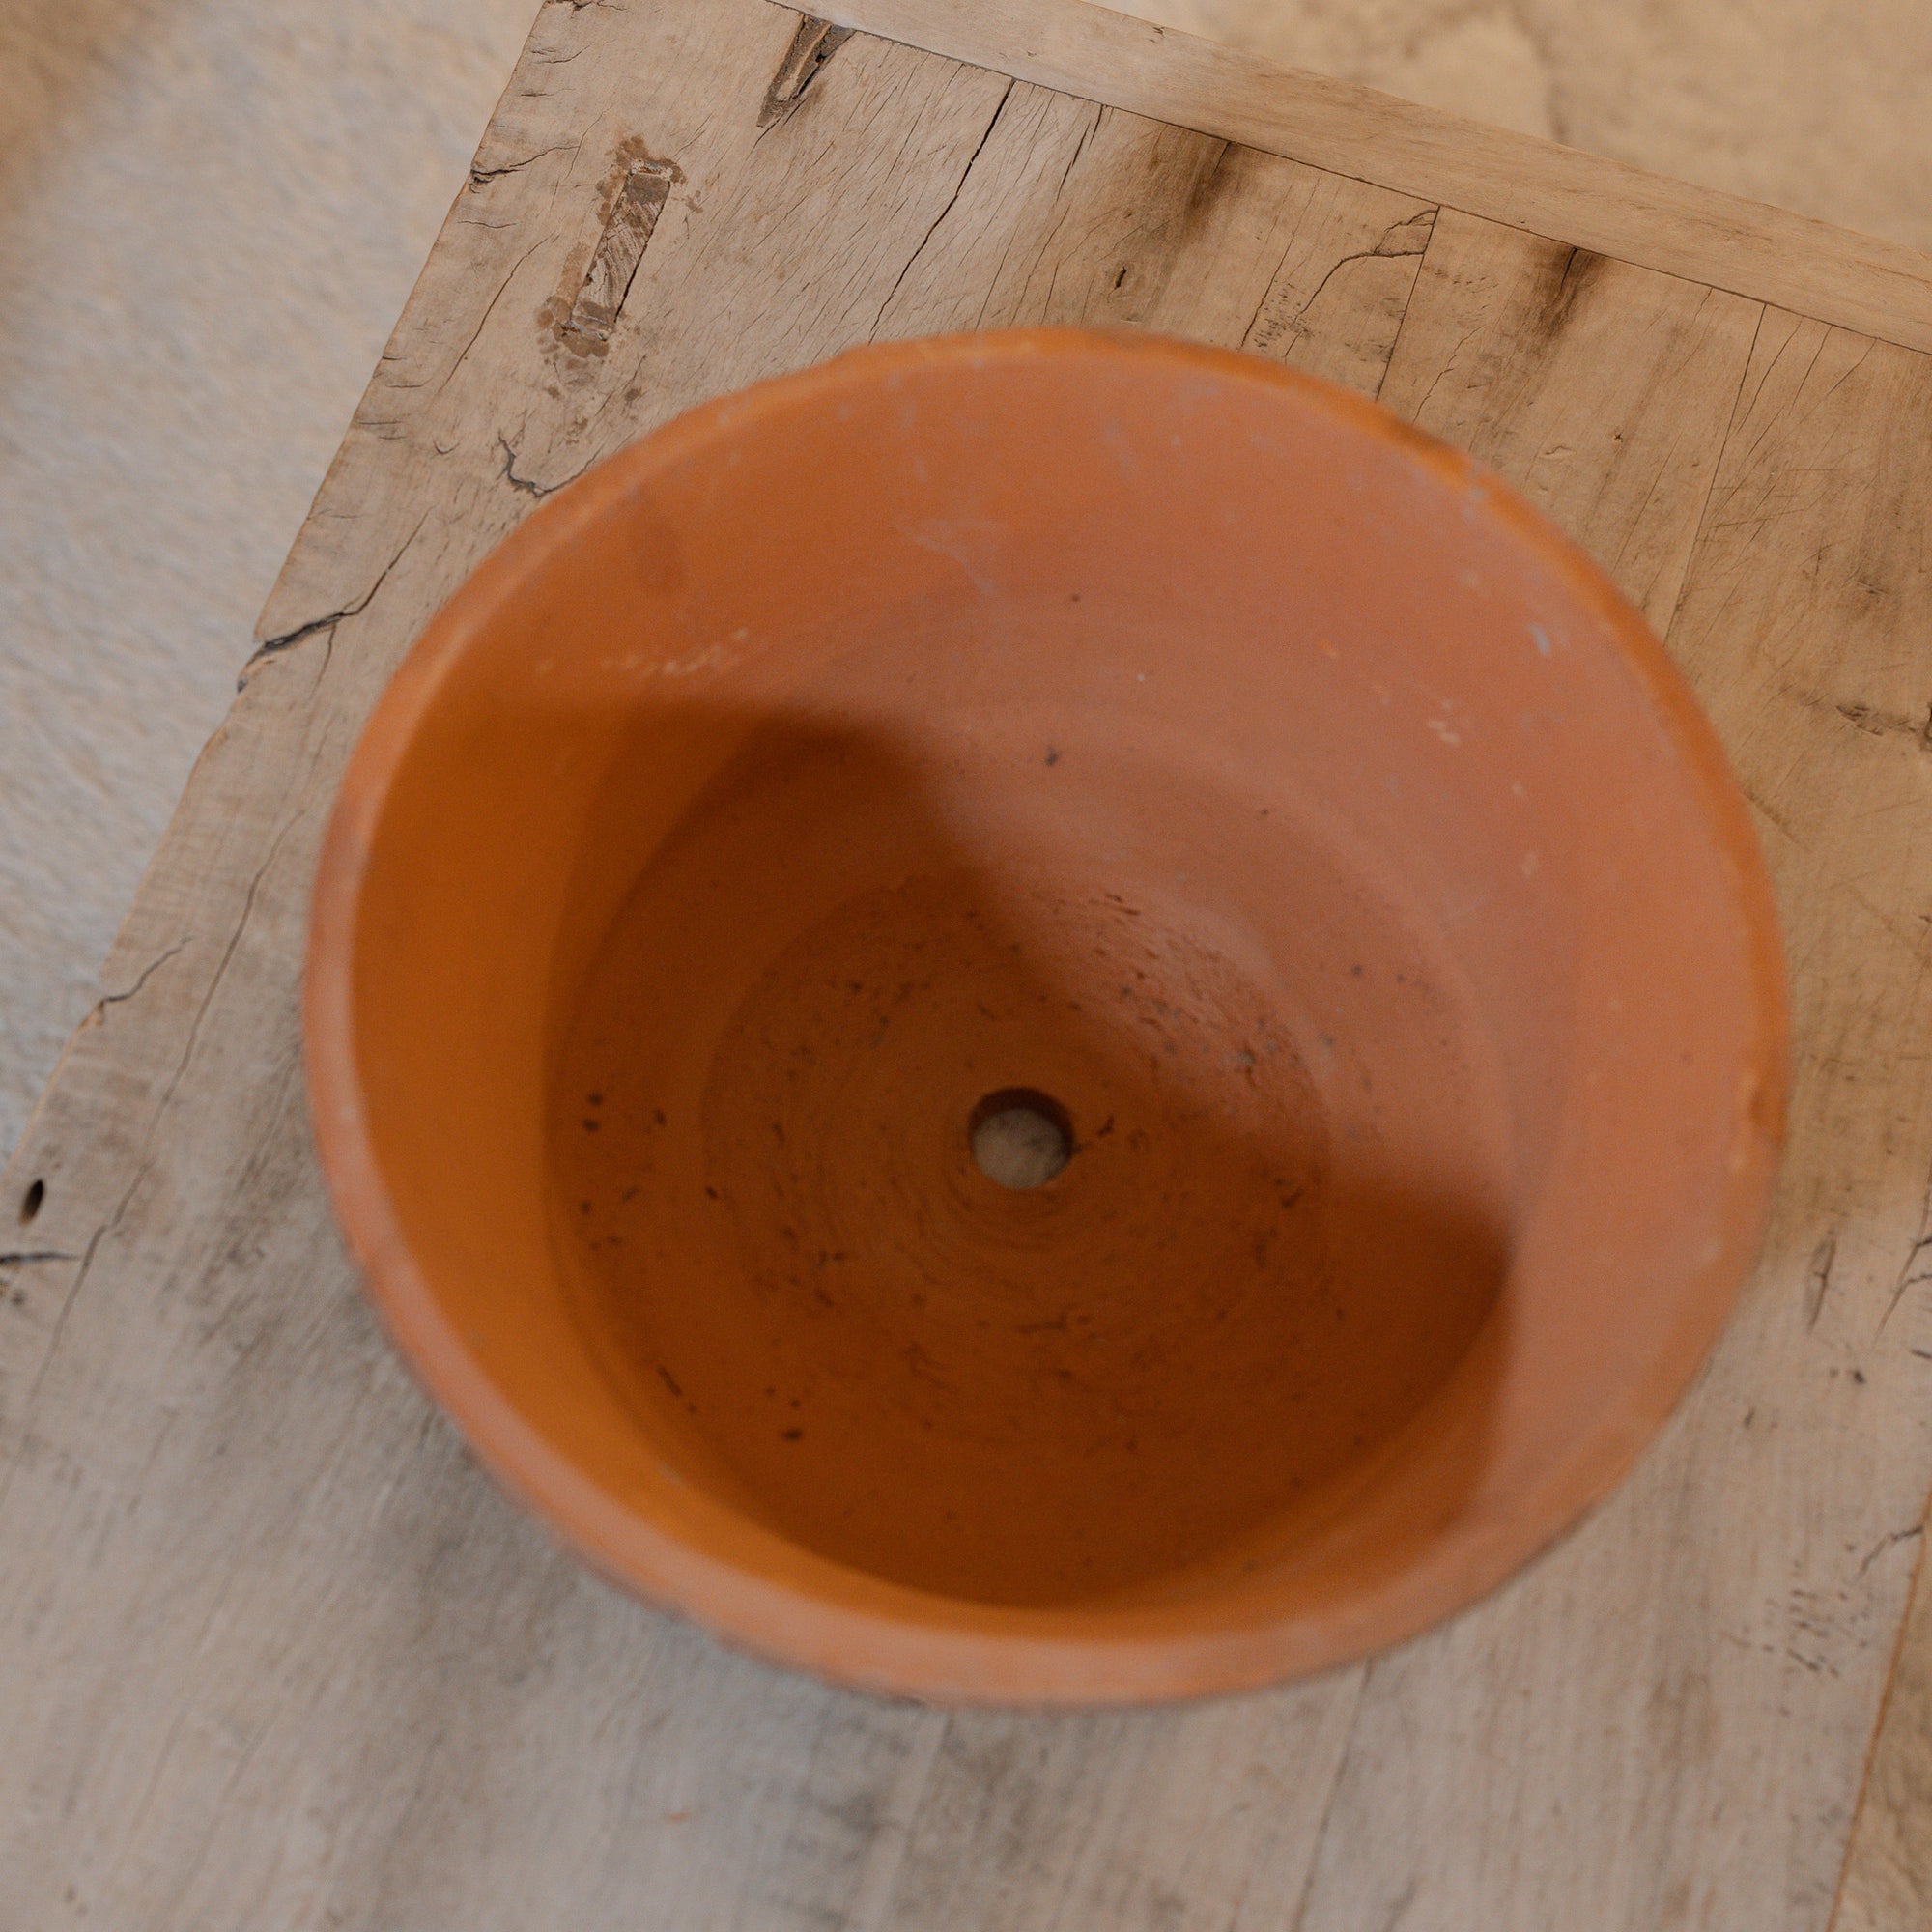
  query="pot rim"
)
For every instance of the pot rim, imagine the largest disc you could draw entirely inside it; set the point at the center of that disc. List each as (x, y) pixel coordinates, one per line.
(896, 1639)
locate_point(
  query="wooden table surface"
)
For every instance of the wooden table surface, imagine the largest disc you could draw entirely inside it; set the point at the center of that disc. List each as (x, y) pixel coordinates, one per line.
(274, 1654)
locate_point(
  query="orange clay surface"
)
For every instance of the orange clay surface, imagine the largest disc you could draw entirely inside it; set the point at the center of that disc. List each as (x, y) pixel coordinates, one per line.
(1298, 847)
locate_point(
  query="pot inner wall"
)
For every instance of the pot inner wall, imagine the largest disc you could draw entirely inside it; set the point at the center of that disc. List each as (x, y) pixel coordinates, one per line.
(1280, 1219)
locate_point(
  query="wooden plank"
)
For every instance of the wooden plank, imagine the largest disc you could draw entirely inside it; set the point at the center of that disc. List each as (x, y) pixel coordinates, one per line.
(1664, 1723)
(1602, 391)
(1224, 244)
(1887, 1881)
(1589, 201)
(275, 1654)
(1887, 1878)
(1194, 1818)
(1345, 257)
(271, 1651)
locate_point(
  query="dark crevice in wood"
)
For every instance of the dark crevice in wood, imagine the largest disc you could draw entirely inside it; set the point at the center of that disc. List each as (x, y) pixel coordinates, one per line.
(528, 486)
(1406, 238)
(479, 177)
(1578, 269)
(951, 202)
(812, 46)
(1818, 1278)
(270, 647)
(1429, 240)
(146, 973)
(626, 233)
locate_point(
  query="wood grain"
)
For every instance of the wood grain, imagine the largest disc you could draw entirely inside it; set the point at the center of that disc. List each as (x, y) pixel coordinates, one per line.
(1078, 214)
(1602, 391)
(1887, 1881)
(273, 1653)
(1664, 1723)
(1324, 288)
(1812, 607)
(1586, 200)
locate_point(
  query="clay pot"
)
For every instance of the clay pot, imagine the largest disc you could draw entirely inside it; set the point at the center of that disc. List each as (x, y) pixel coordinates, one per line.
(1047, 1017)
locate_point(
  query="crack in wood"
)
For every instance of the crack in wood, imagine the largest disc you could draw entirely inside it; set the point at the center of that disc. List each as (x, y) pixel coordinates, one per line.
(271, 646)
(1912, 1275)
(1878, 722)
(1890, 1541)
(951, 202)
(528, 486)
(148, 972)
(1402, 239)
(1818, 1278)
(480, 176)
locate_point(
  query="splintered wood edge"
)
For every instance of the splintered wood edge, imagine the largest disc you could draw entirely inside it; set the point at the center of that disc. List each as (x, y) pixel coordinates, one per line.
(1833, 274)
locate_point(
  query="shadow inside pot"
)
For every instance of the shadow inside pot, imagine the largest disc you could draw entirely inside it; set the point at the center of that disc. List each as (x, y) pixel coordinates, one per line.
(1258, 1252)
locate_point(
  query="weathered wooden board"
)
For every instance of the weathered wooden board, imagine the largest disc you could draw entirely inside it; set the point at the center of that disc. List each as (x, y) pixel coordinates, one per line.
(273, 1653)
(1888, 1876)
(1857, 281)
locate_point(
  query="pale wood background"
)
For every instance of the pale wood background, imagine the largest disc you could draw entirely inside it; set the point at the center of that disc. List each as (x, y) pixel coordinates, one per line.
(272, 1653)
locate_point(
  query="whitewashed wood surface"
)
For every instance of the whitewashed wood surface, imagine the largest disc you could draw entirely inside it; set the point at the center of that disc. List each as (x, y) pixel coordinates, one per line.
(275, 1654)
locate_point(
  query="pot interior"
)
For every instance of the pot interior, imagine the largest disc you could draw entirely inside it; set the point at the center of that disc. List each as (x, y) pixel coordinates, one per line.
(1283, 1209)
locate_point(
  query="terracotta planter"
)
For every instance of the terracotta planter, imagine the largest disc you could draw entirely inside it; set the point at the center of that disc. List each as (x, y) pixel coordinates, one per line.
(1067, 759)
